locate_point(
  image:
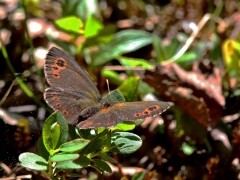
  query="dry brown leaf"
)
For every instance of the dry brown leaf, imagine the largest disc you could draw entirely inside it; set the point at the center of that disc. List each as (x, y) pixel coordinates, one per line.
(199, 94)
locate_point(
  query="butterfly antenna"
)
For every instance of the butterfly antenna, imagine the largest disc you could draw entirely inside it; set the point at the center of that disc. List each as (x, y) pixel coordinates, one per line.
(108, 85)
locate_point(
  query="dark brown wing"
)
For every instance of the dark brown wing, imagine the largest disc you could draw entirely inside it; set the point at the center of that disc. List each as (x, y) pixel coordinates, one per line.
(126, 111)
(71, 89)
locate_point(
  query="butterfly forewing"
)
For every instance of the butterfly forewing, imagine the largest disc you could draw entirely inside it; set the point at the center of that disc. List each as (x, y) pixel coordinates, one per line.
(62, 71)
(126, 111)
(72, 90)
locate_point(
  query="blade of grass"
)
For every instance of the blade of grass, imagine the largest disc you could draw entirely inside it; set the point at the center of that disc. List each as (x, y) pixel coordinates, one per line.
(39, 73)
(7, 93)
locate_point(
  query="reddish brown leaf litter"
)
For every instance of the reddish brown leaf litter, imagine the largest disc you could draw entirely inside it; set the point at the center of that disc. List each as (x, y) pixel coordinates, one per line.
(212, 166)
(236, 140)
(197, 92)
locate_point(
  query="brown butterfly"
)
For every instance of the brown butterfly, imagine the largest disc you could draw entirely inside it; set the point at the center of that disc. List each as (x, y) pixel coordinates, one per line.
(74, 94)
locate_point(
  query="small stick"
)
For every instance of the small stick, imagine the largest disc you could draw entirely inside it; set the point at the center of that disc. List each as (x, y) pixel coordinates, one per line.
(194, 34)
(108, 86)
(7, 93)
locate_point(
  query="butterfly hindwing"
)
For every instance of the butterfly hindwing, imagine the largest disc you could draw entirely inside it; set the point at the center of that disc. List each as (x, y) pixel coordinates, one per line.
(69, 103)
(125, 111)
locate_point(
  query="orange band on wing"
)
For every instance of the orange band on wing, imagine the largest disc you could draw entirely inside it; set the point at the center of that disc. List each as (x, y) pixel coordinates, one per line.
(104, 110)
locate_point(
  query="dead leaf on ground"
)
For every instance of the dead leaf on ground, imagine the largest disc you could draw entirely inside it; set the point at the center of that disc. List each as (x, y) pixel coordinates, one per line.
(199, 92)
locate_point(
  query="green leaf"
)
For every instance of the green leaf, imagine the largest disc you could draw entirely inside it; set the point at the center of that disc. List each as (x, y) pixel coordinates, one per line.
(87, 8)
(187, 149)
(48, 136)
(144, 89)
(188, 56)
(70, 24)
(129, 88)
(125, 142)
(105, 157)
(159, 49)
(102, 165)
(133, 62)
(114, 97)
(123, 42)
(69, 7)
(33, 161)
(139, 176)
(92, 146)
(199, 49)
(86, 133)
(236, 93)
(93, 26)
(112, 76)
(215, 53)
(64, 157)
(55, 134)
(42, 150)
(74, 175)
(73, 132)
(74, 145)
(100, 130)
(95, 144)
(138, 122)
(104, 36)
(171, 49)
(191, 127)
(79, 163)
(125, 126)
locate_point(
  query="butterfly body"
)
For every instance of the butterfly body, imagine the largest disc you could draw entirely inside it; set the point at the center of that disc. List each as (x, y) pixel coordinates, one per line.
(74, 94)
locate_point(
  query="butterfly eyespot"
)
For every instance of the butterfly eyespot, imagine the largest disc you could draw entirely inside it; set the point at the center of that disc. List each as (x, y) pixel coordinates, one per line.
(56, 76)
(65, 112)
(55, 98)
(145, 112)
(137, 114)
(61, 62)
(152, 108)
(59, 105)
(54, 68)
(54, 93)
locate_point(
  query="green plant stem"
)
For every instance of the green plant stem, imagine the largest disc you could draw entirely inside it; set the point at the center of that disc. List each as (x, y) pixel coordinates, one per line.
(50, 169)
(92, 155)
(218, 9)
(94, 167)
(39, 73)
(109, 134)
(22, 85)
(115, 156)
(5, 55)
(45, 173)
